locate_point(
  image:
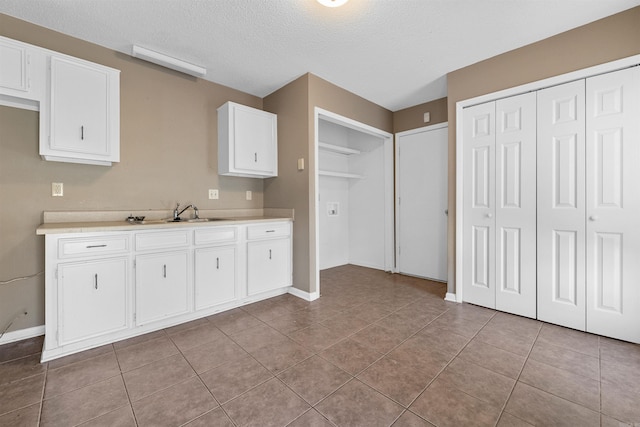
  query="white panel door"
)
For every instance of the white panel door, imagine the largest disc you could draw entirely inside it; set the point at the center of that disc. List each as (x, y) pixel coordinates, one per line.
(422, 192)
(515, 211)
(561, 205)
(613, 204)
(479, 205)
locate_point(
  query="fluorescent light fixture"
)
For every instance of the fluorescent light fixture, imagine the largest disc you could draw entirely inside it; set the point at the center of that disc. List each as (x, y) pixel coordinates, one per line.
(168, 61)
(332, 3)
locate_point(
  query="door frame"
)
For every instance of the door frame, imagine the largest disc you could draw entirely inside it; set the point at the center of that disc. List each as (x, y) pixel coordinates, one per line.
(389, 219)
(397, 179)
(494, 96)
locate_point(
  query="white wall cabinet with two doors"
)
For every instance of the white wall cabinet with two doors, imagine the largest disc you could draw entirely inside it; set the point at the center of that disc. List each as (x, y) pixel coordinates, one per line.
(551, 204)
(79, 101)
(102, 287)
(247, 141)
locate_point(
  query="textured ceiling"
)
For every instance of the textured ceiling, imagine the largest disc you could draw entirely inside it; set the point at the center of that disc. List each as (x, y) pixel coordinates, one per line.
(395, 53)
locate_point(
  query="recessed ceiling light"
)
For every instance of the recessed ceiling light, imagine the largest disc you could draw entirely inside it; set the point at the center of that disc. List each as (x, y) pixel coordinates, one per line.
(332, 3)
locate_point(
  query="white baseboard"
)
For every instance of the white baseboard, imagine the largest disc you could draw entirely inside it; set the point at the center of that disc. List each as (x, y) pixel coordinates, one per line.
(303, 294)
(22, 334)
(451, 297)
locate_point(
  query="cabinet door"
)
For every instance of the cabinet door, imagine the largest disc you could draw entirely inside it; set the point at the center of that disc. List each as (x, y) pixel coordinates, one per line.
(215, 276)
(92, 299)
(161, 286)
(13, 66)
(79, 108)
(515, 213)
(269, 265)
(255, 146)
(613, 204)
(561, 204)
(479, 205)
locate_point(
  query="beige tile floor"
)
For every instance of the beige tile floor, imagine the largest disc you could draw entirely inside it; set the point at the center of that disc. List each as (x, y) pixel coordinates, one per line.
(375, 350)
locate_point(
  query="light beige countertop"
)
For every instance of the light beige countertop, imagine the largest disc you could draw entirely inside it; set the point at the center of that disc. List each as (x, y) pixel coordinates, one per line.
(70, 222)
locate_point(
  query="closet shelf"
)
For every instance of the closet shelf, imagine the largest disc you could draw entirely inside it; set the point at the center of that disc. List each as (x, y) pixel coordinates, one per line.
(340, 174)
(337, 148)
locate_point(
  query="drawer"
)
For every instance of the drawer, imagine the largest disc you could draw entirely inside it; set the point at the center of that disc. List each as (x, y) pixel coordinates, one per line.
(90, 246)
(215, 235)
(162, 240)
(269, 230)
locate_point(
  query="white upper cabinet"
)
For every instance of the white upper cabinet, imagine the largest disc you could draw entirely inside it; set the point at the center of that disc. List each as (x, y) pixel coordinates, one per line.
(84, 125)
(78, 101)
(247, 142)
(14, 66)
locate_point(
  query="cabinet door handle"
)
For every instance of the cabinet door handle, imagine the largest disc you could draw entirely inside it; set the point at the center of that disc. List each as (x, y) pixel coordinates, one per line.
(82, 133)
(255, 157)
(218, 263)
(164, 271)
(96, 246)
(269, 253)
(96, 281)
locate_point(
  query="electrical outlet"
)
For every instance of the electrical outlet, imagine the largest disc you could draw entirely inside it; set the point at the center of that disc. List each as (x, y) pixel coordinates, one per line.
(213, 194)
(249, 195)
(57, 189)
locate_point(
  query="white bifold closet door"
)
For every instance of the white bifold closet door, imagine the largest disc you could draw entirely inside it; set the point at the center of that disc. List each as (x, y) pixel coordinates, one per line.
(561, 206)
(613, 204)
(499, 259)
(589, 204)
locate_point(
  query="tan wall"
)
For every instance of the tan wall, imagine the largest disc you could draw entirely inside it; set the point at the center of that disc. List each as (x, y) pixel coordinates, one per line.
(295, 105)
(413, 117)
(291, 188)
(168, 152)
(608, 39)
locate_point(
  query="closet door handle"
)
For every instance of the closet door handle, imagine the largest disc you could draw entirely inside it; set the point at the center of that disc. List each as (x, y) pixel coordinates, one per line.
(593, 218)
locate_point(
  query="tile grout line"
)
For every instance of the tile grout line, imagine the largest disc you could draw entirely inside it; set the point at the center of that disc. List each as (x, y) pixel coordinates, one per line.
(44, 384)
(518, 378)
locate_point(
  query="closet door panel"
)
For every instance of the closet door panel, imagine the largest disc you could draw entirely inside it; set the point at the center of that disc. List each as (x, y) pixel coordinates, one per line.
(479, 205)
(516, 205)
(613, 204)
(561, 204)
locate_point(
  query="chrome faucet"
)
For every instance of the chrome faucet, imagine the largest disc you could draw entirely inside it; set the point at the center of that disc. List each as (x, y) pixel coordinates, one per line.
(177, 212)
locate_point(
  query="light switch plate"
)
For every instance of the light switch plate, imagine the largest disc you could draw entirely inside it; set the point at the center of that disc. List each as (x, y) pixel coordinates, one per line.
(249, 195)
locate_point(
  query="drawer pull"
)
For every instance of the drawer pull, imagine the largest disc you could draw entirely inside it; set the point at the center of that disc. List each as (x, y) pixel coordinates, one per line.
(96, 281)
(269, 253)
(270, 231)
(164, 271)
(96, 246)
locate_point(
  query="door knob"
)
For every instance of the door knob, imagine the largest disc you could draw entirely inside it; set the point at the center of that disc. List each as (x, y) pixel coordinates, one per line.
(446, 211)
(593, 218)
(489, 215)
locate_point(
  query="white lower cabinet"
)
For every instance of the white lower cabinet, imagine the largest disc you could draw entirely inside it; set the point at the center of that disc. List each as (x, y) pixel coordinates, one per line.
(162, 286)
(102, 287)
(215, 276)
(92, 298)
(268, 257)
